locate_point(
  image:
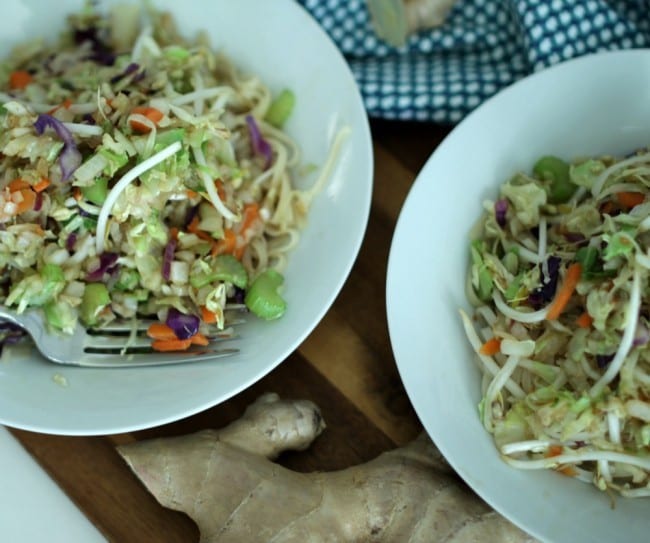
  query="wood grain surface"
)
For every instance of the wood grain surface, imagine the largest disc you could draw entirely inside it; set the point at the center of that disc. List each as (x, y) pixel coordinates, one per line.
(345, 366)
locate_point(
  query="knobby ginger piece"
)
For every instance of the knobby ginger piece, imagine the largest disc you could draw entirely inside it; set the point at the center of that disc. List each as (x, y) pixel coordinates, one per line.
(226, 482)
(395, 20)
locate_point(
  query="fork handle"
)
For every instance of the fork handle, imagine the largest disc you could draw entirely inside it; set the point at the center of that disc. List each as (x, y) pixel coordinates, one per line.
(31, 321)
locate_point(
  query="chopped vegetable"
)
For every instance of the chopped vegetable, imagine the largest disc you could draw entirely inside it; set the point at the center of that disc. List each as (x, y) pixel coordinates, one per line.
(95, 299)
(280, 109)
(170, 345)
(42, 184)
(630, 199)
(260, 145)
(19, 79)
(136, 183)
(207, 316)
(560, 288)
(263, 299)
(70, 157)
(161, 331)
(555, 170)
(151, 113)
(491, 347)
(183, 325)
(97, 192)
(566, 291)
(585, 320)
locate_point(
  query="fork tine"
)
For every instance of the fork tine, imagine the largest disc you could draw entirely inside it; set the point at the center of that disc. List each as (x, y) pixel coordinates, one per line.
(116, 342)
(92, 360)
(107, 342)
(123, 326)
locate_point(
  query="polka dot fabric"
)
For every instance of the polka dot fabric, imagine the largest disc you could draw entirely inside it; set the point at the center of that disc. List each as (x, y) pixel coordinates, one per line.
(442, 74)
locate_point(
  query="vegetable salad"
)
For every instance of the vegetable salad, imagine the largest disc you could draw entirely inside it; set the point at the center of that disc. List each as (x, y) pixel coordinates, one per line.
(559, 281)
(142, 175)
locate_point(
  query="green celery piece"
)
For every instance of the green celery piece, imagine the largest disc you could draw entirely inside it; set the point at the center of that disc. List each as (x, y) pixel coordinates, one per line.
(281, 108)
(555, 170)
(262, 298)
(97, 192)
(94, 299)
(485, 284)
(224, 268)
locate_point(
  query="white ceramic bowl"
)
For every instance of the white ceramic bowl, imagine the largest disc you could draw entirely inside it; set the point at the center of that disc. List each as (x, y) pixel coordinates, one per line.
(596, 104)
(281, 43)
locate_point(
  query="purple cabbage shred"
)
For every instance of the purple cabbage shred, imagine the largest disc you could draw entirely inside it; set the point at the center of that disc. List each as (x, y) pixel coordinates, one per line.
(603, 360)
(261, 146)
(168, 256)
(101, 52)
(107, 264)
(184, 326)
(500, 210)
(130, 69)
(70, 158)
(544, 294)
(70, 242)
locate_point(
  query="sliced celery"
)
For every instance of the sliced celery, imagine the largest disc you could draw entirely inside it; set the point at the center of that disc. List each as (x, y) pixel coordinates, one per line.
(281, 108)
(262, 298)
(224, 268)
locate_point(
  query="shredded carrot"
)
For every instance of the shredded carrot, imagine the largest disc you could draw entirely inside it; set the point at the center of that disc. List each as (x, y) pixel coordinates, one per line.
(569, 471)
(221, 190)
(251, 215)
(630, 199)
(553, 450)
(65, 105)
(199, 339)
(161, 331)
(207, 316)
(19, 79)
(607, 208)
(191, 193)
(168, 345)
(226, 245)
(574, 271)
(27, 200)
(173, 232)
(585, 320)
(18, 184)
(42, 184)
(491, 347)
(193, 228)
(151, 113)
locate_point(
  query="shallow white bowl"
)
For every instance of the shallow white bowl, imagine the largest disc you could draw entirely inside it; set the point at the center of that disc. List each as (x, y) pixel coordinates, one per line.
(281, 43)
(597, 104)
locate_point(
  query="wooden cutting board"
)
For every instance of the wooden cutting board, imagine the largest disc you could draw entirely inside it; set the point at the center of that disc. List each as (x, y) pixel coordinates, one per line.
(345, 366)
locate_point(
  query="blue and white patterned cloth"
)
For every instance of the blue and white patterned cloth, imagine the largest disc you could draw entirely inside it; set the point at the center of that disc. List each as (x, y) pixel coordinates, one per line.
(442, 74)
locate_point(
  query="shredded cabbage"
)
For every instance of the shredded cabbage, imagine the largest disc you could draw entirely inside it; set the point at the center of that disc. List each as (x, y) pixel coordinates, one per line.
(132, 142)
(560, 326)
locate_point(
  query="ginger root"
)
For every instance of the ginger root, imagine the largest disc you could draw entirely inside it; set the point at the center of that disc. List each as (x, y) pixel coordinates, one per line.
(226, 482)
(395, 20)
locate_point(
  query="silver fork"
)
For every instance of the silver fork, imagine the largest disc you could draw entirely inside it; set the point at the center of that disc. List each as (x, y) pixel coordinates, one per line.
(118, 344)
